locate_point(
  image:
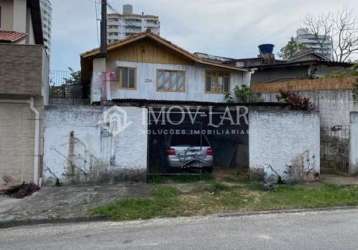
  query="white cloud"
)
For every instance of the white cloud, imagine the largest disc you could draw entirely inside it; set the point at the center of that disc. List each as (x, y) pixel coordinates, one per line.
(223, 27)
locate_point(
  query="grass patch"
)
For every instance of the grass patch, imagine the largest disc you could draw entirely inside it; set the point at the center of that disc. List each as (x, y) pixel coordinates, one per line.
(310, 197)
(217, 187)
(163, 203)
(216, 197)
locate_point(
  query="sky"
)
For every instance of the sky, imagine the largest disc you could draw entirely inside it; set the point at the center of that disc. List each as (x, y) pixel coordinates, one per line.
(230, 28)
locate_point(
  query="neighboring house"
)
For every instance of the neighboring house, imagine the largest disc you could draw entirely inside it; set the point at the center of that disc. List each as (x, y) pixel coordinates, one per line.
(147, 67)
(266, 68)
(23, 89)
(120, 26)
(19, 16)
(306, 66)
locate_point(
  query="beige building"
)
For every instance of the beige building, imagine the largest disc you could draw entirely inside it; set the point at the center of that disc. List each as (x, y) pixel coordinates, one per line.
(23, 90)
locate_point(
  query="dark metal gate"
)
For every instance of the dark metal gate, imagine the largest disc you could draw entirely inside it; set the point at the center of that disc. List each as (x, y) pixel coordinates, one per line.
(335, 149)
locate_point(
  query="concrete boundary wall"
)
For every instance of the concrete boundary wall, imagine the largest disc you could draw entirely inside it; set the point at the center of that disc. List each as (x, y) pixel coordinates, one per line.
(334, 105)
(79, 148)
(353, 153)
(285, 143)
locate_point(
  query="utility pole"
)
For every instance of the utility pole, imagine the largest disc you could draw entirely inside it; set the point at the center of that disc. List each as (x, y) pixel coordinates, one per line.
(104, 28)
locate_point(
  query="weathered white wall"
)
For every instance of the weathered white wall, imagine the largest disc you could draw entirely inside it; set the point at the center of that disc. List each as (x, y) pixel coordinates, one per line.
(147, 83)
(284, 138)
(353, 168)
(334, 110)
(334, 106)
(95, 151)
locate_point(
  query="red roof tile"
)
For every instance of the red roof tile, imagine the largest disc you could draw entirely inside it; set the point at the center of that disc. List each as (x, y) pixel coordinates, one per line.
(11, 36)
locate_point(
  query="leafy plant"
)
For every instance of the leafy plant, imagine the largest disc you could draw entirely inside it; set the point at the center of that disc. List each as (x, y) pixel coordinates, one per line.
(291, 49)
(295, 101)
(229, 98)
(74, 78)
(241, 94)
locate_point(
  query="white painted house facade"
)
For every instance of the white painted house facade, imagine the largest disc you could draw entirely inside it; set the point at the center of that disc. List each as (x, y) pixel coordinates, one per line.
(148, 67)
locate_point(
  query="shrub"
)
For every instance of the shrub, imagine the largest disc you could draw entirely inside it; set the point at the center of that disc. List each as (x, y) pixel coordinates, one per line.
(242, 94)
(295, 101)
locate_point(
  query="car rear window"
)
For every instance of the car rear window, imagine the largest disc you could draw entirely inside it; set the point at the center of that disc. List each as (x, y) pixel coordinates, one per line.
(191, 140)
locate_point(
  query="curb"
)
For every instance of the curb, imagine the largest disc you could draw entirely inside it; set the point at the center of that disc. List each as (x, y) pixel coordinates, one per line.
(20, 223)
(286, 211)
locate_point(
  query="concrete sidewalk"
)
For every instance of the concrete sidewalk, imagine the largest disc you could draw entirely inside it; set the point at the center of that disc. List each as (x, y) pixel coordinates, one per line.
(65, 203)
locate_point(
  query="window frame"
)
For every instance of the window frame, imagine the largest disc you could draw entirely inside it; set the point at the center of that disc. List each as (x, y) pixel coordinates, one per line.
(119, 80)
(171, 91)
(218, 73)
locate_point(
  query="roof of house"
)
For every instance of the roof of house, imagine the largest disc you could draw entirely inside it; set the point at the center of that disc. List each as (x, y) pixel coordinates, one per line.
(307, 54)
(213, 58)
(162, 41)
(306, 63)
(11, 36)
(306, 58)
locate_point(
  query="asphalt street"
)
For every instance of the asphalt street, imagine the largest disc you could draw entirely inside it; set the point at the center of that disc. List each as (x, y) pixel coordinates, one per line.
(309, 230)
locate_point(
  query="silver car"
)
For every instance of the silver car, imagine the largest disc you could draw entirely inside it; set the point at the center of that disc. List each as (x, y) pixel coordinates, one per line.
(189, 151)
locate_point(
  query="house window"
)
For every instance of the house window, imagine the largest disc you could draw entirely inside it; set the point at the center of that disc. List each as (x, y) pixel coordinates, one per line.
(217, 82)
(171, 80)
(126, 77)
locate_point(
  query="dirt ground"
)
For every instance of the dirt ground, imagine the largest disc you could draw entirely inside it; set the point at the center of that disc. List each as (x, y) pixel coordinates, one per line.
(66, 202)
(339, 180)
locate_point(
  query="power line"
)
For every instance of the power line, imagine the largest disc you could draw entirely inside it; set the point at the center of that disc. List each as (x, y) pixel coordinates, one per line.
(112, 8)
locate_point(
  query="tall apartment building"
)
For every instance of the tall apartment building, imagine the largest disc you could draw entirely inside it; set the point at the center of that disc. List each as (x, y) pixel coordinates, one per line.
(120, 26)
(46, 15)
(319, 44)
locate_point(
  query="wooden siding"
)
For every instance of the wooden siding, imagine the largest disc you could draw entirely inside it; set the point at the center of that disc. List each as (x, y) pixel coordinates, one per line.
(305, 85)
(147, 51)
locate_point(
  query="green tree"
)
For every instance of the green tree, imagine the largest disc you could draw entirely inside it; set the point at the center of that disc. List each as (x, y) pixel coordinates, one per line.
(291, 49)
(74, 78)
(242, 94)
